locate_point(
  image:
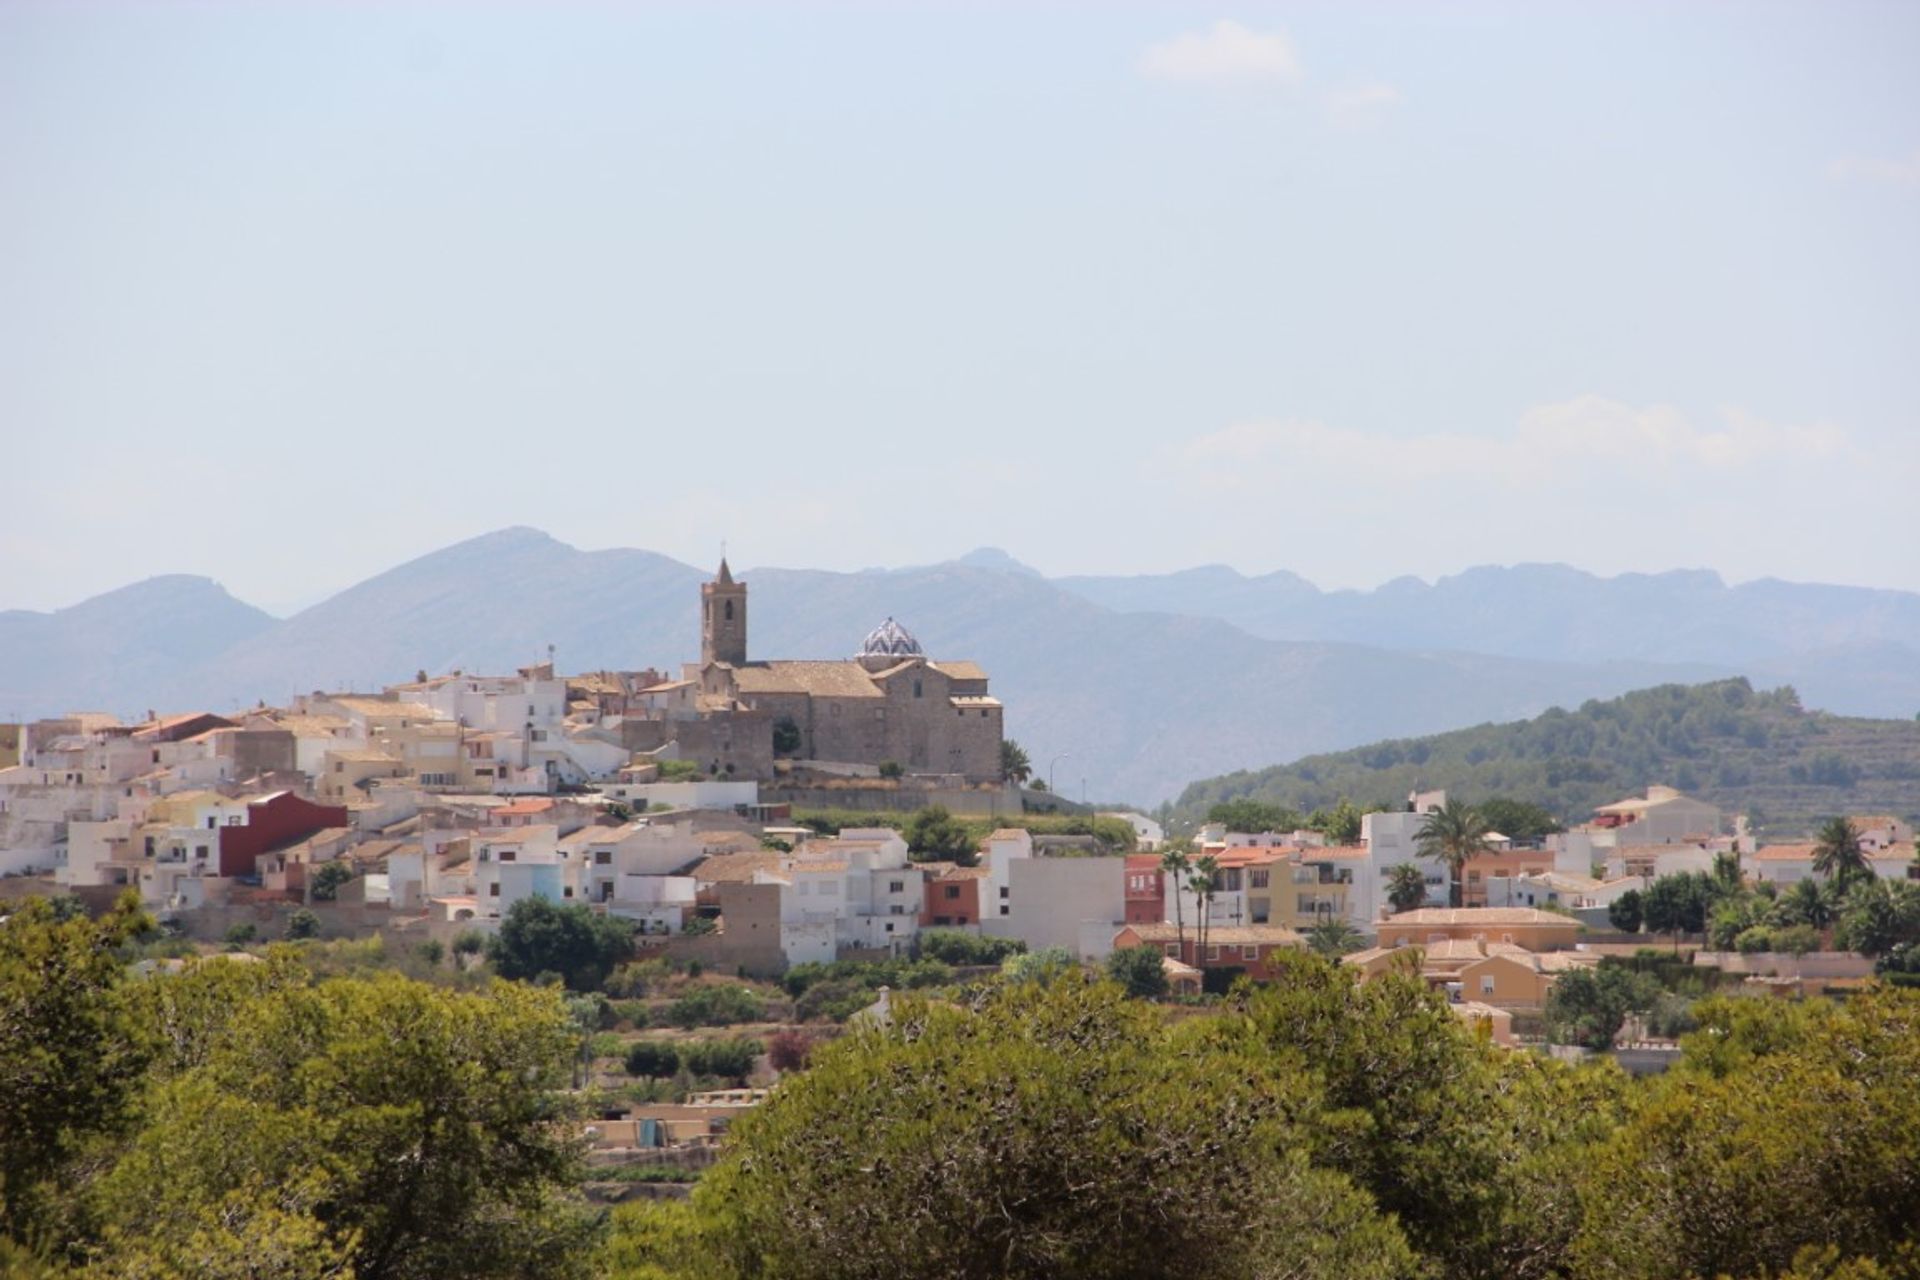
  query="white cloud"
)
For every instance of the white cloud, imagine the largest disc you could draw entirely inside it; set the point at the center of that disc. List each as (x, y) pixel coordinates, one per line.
(1902, 171)
(1590, 481)
(1223, 53)
(1552, 443)
(1361, 105)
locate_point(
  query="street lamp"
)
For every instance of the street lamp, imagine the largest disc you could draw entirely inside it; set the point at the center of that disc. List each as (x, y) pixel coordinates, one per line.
(1056, 760)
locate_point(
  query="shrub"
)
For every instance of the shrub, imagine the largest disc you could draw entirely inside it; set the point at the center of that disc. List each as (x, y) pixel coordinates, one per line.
(1671, 1017)
(1141, 970)
(953, 947)
(431, 952)
(730, 1059)
(789, 1049)
(630, 981)
(835, 1000)
(653, 1058)
(1796, 940)
(302, 924)
(241, 934)
(716, 1007)
(327, 879)
(891, 769)
(1754, 941)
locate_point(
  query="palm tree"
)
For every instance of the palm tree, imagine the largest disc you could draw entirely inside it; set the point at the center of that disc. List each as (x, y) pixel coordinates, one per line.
(1203, 882)
(1837, 854)
(1809, 902)
(1014, 765)
(1334, 937)
(1406, 887)
(1453, 833)
(1174, 863)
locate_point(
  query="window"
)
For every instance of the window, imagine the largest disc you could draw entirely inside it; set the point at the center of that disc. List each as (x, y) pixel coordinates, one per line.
(493, 890)
(916, 688)
(1172, 949)
(1003, 891)
(1486, 984)
(1257, 878)
(983, 715)
(1003, 910)
(729, 611)
(200, 851)
(212, 822)
(603, 857)
(567, 892)
(896, 910)
(896, 886)
(1213, 953)
(1250, 952)
(889, 926)
(952, 891)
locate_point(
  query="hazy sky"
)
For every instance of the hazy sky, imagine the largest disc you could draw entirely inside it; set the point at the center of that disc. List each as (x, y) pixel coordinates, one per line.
(290, 294)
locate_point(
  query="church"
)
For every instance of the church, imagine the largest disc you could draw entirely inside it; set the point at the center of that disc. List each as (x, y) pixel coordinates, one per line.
(888, 703)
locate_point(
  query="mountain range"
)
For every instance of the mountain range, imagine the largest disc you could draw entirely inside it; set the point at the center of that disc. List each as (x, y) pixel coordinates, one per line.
(1118, 686)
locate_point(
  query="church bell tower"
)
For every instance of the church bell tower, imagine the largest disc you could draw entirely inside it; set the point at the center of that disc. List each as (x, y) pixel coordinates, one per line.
(723, 619)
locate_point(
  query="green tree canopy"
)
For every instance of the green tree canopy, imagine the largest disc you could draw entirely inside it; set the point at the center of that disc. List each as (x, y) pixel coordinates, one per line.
(936, 835)
(1140, 971)
(538, 936)
(1522, 820)
(65, 1073)
(398, 1128)
(1058, 1131)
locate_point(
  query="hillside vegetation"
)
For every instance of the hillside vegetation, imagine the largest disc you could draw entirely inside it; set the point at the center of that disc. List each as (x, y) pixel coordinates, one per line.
(1758, 753)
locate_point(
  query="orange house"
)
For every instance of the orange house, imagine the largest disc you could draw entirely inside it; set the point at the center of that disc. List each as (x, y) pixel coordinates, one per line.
(952, 895)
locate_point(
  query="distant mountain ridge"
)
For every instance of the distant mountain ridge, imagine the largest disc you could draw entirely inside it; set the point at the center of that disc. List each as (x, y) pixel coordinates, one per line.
(1854, 650)
(1107, 684)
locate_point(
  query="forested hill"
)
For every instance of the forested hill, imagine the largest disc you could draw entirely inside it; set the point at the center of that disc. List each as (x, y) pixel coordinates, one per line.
(1758, 753)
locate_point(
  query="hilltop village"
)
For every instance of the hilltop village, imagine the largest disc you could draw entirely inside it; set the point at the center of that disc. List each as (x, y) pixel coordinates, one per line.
(429, 808)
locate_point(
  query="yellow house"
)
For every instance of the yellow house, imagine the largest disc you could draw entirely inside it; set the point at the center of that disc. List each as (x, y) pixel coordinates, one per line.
(1519, 926)
(1500, 974)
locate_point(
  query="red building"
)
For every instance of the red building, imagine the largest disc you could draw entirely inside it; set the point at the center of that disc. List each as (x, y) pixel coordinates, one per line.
(278, 818)
(1146, 898)
(1243, 947)
(952, 895)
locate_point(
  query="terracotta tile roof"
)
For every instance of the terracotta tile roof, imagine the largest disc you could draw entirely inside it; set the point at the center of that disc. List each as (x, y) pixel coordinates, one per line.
(1252, 855)
(818, 679)
(1785, 853)
(942, 871)
(1235, 935)
(1462, 950)
(1456, 916)
(382, 707)
(525, 807)
(735, 868)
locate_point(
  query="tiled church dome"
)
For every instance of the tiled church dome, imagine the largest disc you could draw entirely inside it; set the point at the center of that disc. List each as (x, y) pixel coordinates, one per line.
(890, 640)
